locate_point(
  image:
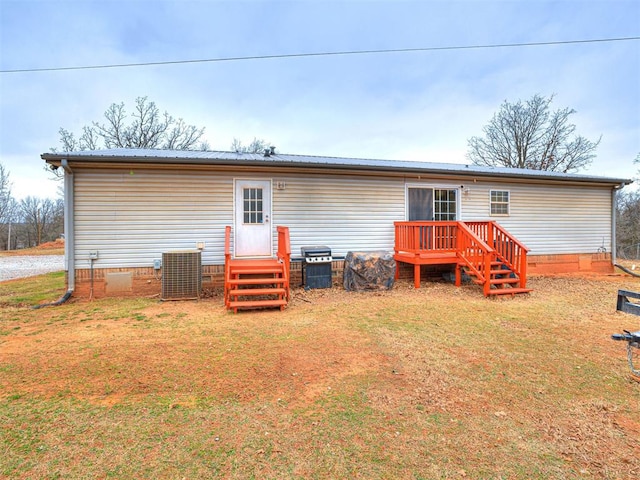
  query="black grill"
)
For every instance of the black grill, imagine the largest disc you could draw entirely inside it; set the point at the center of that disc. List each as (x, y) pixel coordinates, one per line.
(316, 266)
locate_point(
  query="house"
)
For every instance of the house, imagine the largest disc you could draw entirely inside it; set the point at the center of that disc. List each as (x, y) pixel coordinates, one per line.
(125, 208)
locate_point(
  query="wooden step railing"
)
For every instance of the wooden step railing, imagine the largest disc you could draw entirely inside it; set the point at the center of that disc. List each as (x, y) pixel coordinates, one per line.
(227, 262)
(476, 255)
(284, 255)
(509, 250)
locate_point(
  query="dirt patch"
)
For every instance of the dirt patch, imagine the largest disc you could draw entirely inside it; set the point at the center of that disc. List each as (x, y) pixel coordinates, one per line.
(56, 244)
(248, 357)
(296, 354)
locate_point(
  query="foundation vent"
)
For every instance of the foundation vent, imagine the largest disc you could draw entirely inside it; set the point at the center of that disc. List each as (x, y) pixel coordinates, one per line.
(181, 275)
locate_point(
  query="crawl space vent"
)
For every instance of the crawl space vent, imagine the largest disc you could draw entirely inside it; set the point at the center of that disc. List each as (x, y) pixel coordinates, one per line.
(181, 275)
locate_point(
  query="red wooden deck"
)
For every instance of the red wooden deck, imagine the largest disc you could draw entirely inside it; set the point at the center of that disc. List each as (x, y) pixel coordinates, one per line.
(491, 256)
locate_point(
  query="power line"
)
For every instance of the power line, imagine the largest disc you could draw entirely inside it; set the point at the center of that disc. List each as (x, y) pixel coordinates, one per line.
(319, 54)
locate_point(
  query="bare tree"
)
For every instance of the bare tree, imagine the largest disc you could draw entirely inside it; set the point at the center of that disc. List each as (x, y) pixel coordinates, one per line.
(529, 135)
(7, 208)
(39, 216)
(56, 225)
(256, 146)
(145, 127)
(5, 193)
(628, 223)
(88, 140)
(9, 229)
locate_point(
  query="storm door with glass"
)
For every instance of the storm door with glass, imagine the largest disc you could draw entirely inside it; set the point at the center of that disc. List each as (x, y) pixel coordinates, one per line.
(253, 237)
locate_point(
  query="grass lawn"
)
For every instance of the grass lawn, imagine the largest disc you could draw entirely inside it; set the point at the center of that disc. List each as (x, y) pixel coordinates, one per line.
(438, 382)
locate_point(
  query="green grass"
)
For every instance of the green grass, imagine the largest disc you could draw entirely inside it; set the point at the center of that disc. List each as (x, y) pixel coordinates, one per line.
(34, 290)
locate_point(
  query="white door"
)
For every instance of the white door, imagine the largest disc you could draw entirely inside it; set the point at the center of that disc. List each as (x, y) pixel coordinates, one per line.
(252, 218)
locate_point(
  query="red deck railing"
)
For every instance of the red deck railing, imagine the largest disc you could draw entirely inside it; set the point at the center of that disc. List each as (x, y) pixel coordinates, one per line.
(476, 254)
(509, 249)
(475, 244)
(227, 259)
(426, 237)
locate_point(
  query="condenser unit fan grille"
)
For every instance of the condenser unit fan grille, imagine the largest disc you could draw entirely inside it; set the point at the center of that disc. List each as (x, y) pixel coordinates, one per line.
(181, 275)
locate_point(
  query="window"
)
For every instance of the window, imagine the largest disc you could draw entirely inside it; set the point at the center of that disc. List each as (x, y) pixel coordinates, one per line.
(444, 204)
(429, 204)
(252, 205)
(499, 201)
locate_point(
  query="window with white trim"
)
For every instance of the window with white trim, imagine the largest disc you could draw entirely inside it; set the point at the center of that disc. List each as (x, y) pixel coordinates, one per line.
(499, 202)
(445, 204)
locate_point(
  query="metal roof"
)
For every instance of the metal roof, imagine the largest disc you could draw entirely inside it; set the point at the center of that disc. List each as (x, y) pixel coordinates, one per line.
(191, 157)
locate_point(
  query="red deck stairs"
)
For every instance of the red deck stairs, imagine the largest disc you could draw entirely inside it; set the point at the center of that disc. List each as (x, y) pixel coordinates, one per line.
(257, 283)
(486, 252)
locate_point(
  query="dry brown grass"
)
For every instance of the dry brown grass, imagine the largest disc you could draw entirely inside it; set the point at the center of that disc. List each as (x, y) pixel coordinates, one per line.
(432, 383)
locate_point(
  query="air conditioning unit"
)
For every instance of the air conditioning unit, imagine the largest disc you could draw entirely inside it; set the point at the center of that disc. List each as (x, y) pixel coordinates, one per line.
(181, 275)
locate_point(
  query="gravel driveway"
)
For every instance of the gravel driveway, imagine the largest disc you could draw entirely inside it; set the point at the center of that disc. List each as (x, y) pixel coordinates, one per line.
(29, 265)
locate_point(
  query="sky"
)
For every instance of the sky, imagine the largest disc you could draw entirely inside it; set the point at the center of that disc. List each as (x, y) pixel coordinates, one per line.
(420, 106)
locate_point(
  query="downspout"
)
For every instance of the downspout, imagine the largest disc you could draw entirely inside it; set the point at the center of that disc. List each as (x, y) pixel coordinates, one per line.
(69, 226)
(69, 236)
(614, 195)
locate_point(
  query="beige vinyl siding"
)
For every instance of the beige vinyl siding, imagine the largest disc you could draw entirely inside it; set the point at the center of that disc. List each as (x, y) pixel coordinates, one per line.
(131, 217)
(548, 219)
(346, 213)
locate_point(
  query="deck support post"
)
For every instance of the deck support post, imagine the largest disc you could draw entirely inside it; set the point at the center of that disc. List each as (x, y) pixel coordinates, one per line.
(416, 275)
(458, 275)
